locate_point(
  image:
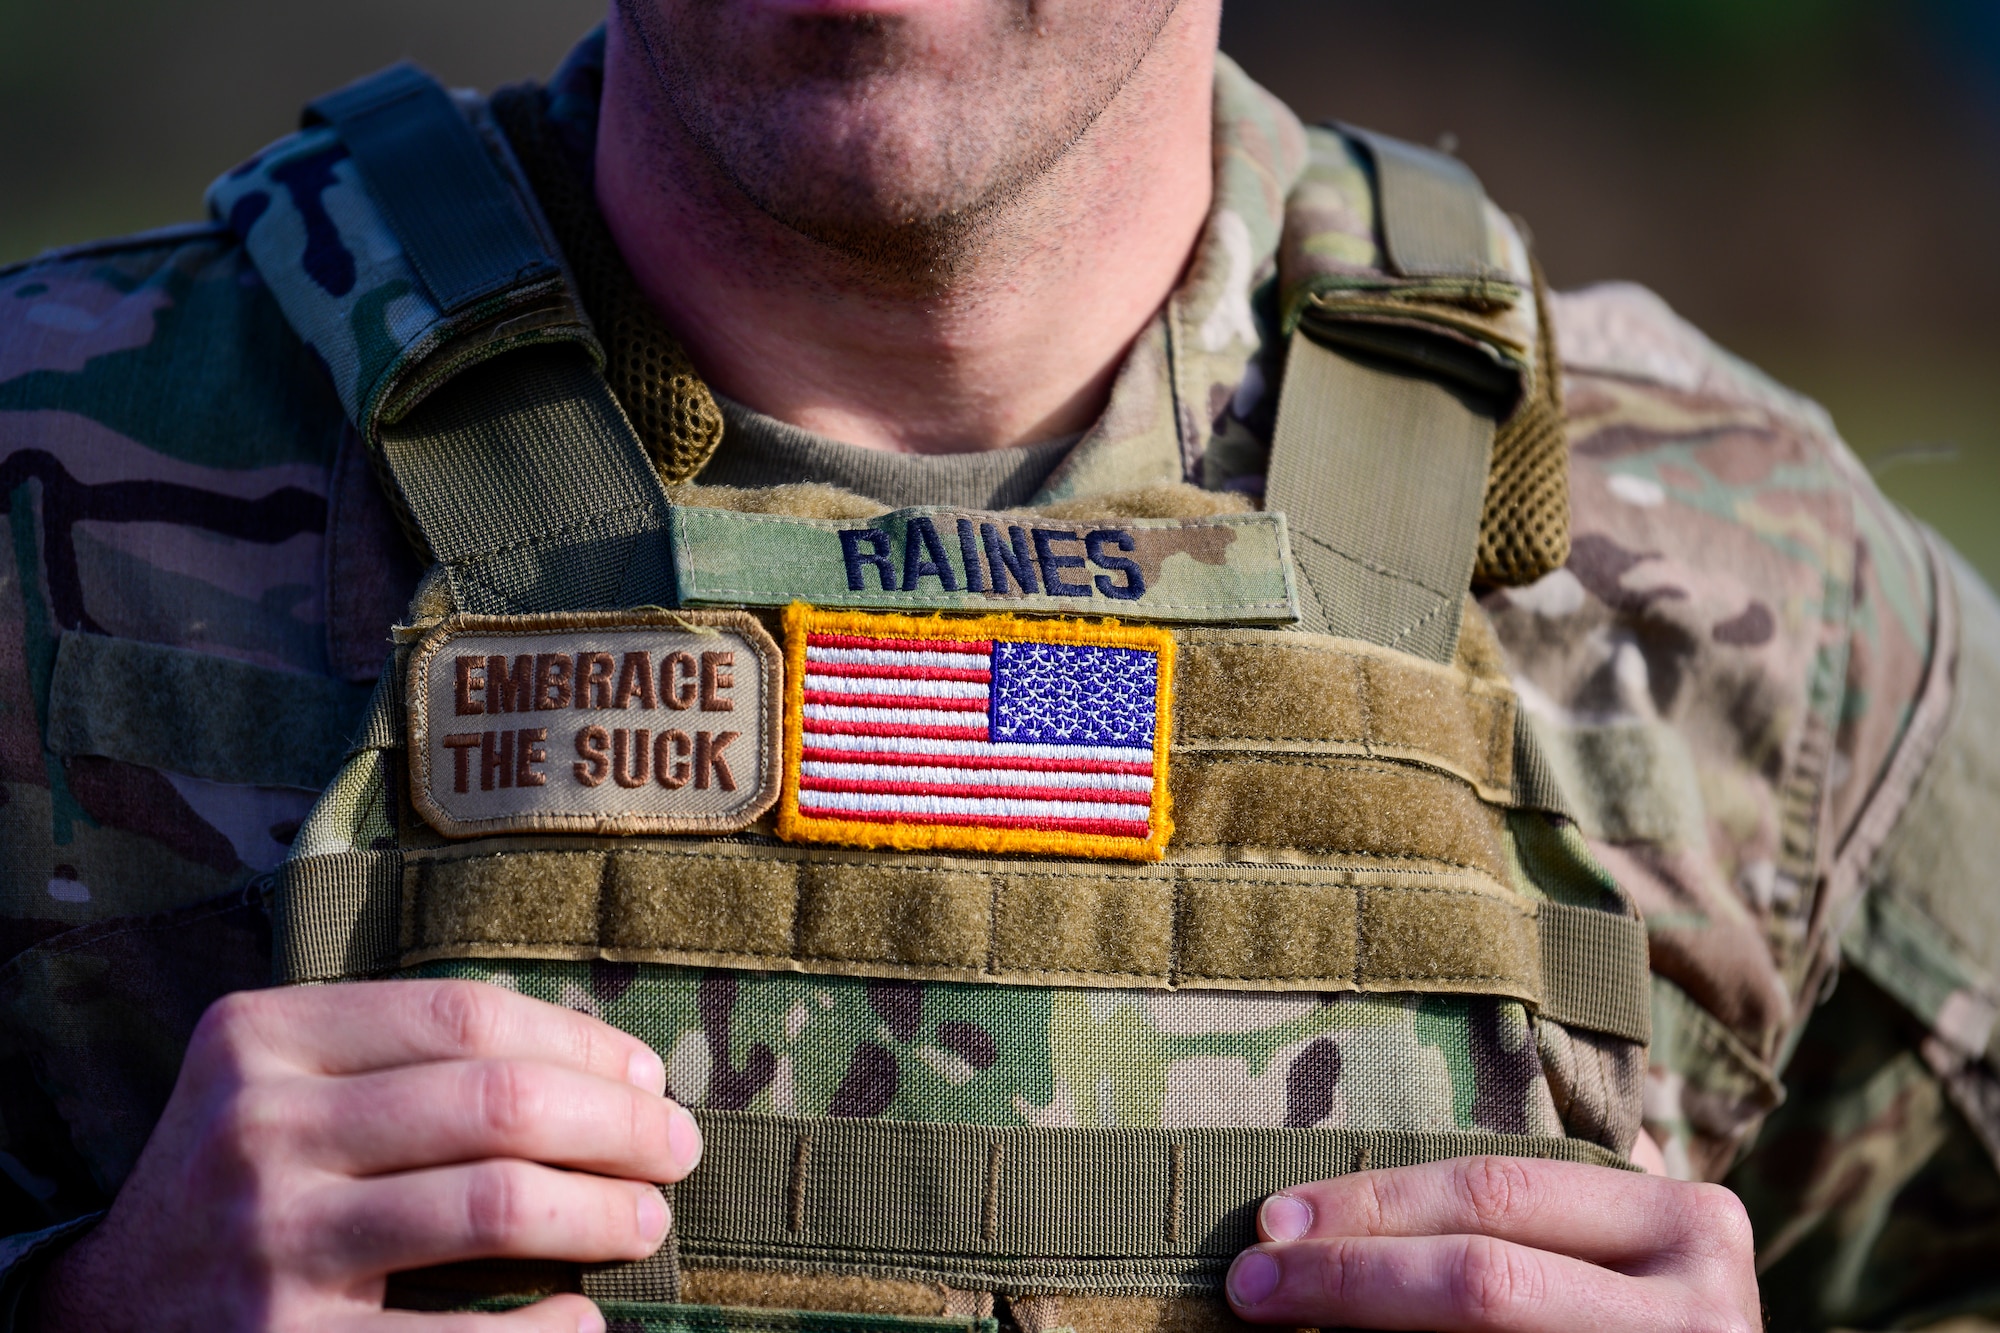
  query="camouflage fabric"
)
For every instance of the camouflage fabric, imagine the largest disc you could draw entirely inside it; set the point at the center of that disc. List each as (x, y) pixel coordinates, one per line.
(1007, 1055)
(1741, 674)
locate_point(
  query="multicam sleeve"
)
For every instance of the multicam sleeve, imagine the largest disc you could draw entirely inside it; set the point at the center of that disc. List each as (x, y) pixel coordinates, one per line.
(1875, 1187)
(1781, 698)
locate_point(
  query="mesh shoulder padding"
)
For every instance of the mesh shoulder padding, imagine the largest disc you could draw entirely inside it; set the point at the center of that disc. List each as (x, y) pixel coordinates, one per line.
(1524, 528)
(672, 410)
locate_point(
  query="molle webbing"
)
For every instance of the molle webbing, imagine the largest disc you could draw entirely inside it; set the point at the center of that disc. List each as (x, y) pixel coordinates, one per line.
(1003, 1209)
(1300, 695)
(1208, 927)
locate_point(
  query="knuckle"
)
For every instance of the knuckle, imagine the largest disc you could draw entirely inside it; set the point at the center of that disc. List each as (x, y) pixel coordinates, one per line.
(227, 1026)
(1495, 1279)
(464, 1014)
(1496, 1189)
(505, 1099)
(1719, 1222)
(255, 1124)
(496, 1205)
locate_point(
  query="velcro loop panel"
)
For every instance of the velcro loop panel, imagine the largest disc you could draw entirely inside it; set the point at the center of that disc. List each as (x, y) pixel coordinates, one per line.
(1311, 694)
(1025, 1208)
(1595, 971)
(337, 916)
(1335, 806)
(460, 225)
(1381, 927)
(195, 713)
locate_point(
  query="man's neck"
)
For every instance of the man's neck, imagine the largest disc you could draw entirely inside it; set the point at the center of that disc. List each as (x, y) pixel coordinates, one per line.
(1020, 342)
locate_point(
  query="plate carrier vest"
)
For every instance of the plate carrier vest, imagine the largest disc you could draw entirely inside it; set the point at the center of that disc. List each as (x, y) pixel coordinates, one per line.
(1400, 835)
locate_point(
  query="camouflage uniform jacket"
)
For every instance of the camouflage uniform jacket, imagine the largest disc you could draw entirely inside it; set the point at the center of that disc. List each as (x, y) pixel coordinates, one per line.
(1773, 696)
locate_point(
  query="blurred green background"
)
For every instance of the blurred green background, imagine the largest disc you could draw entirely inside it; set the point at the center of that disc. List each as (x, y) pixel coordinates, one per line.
(1815, 182)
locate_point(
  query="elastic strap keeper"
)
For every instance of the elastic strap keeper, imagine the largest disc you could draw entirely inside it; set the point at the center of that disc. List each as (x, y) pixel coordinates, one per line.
(337, 916)
(1595, 971)
(655, 1279)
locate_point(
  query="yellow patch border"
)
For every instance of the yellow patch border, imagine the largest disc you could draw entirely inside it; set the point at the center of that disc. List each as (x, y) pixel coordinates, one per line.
(802, 620)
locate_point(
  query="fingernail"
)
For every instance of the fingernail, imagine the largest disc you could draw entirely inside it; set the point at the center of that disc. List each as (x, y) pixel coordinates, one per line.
(590, 1321)
(652, 1215)
(684, 1140)
(1284, 1217)
(644, 1070)
(1253, 1278)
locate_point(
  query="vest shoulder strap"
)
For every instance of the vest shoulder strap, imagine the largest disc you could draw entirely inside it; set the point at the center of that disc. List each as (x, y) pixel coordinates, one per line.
(1432, 209)
(440, 190)
(1385, 431)
(522, 471)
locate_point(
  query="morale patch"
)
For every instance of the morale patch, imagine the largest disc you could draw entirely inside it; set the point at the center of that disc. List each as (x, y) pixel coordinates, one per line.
(594, 722)
(993, 734)
(1231, 568)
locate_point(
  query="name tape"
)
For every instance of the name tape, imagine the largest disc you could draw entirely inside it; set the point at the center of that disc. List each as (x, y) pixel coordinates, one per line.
(1234, 568)
(595, 722)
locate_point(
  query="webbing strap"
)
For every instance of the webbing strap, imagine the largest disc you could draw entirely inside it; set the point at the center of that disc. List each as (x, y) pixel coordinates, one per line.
(337, 916)
(1006, 1208)
(532, 488)
(1380, 474)
(1433, 209)
(448, 204)
(1596, 971)
(655, 1278)
(522, 471)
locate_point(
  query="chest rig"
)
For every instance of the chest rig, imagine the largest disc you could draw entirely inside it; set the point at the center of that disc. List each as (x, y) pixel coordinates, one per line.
(1309, 906)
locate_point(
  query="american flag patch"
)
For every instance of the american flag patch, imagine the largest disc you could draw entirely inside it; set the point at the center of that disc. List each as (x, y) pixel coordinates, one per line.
(993, 734)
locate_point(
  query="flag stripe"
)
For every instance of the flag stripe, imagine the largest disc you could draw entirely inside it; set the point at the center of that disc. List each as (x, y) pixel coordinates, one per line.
(886, 671)
(1108, 828)
(870, 644)
(984, 754)
(966, 771)
(921, 702)
(896, 688)
(857, 787)
(827, 728)
(845, 802)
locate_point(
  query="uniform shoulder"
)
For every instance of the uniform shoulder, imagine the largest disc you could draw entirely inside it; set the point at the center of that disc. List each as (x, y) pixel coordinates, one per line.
(1625, 331)
(1728, 666)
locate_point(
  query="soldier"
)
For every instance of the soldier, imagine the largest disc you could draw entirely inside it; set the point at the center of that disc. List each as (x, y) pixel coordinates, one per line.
(1113, 897)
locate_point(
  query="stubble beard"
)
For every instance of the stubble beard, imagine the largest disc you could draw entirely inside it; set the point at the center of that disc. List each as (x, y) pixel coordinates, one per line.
(860, 136)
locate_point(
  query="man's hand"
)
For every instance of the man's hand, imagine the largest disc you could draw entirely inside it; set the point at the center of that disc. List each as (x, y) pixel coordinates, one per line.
(321, 1138)
(1501, 1243)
